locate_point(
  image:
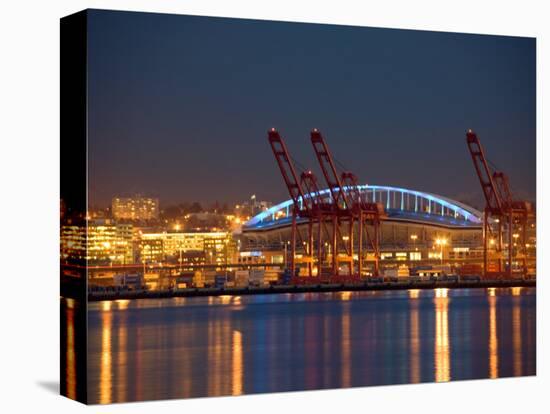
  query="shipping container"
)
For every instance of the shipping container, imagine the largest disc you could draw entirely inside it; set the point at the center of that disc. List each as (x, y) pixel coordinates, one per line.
(470, 269)
(219, 281)
(285, 277)
(132, 281)
(198, 279)
(208, 277)
(271, 275)
(241, 278)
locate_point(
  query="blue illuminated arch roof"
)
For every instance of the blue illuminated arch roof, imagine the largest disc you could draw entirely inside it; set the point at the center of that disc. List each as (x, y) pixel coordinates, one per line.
(447, 207)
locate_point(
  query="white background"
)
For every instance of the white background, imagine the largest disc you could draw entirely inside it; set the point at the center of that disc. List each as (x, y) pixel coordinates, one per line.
(29, 203)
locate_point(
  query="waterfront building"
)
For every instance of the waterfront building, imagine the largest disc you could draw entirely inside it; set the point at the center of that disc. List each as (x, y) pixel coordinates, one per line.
(99, 242)
(217, 247)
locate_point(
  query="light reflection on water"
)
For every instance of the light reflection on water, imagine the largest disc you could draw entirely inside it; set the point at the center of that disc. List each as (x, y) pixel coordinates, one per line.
(73, 348)
(70, 377)
(237, 363)
(174, 348)
(442, 347)
(346, 346)
(414, 336)
(493, 337)
(516, 321)
(106, 373)
(122, 359)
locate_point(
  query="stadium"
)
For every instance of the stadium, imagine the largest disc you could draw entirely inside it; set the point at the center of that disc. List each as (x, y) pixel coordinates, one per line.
(418, 226)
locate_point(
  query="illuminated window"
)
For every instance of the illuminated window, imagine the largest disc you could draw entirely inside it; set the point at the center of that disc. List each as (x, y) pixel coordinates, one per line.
(401, 256)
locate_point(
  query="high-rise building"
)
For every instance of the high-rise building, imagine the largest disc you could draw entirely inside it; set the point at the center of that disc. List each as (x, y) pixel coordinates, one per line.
(135, 208)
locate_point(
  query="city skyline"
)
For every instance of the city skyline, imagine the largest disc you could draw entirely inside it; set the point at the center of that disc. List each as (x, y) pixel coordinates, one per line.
(190, 124)
(194, 206)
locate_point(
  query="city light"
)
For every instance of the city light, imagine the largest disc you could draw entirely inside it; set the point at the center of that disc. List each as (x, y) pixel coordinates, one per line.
(441, 242)
(414, 237)
(135, 208)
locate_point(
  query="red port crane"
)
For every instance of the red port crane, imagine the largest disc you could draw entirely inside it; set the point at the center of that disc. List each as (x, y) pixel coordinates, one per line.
(500, 209)
(347, 206)
(341, 207)
(299, 208)
(307, 203)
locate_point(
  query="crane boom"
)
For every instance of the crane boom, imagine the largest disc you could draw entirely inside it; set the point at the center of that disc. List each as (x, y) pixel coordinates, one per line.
(493, 200)
(287, 170)
(349, 180)
(312, 195)
(503, 187)
(339, 198)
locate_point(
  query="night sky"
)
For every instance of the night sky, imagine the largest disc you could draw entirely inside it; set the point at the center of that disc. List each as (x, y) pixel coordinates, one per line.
(179, 106)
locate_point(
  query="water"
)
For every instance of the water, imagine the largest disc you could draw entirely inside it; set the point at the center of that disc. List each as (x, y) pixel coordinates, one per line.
(195, 347)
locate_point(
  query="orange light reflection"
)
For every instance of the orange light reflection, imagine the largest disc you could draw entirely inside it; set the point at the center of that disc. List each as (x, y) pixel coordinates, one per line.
(442, 346)
(105, 373)
(516, 334)
(237, 388)
(493, 339)
(346, 347)
(414, 342)
(70, 355)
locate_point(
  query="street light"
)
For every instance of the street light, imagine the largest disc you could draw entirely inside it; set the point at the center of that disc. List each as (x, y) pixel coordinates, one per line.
(441, 243)
(327, 245)
(413, 238)
(286, 254)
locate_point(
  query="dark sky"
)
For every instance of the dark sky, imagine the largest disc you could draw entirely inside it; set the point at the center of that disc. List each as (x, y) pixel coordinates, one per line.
(179, 106)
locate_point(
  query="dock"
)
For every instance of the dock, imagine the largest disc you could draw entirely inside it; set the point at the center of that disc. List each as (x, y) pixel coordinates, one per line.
(277, 289)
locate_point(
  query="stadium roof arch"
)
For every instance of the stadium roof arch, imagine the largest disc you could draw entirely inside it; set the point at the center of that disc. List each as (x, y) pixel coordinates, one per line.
(401, 204)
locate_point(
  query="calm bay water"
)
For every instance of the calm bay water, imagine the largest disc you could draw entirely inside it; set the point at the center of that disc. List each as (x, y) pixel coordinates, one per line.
(195, 347)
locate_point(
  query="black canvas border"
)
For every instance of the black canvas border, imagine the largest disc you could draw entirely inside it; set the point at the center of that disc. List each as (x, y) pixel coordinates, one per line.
(73, 192)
